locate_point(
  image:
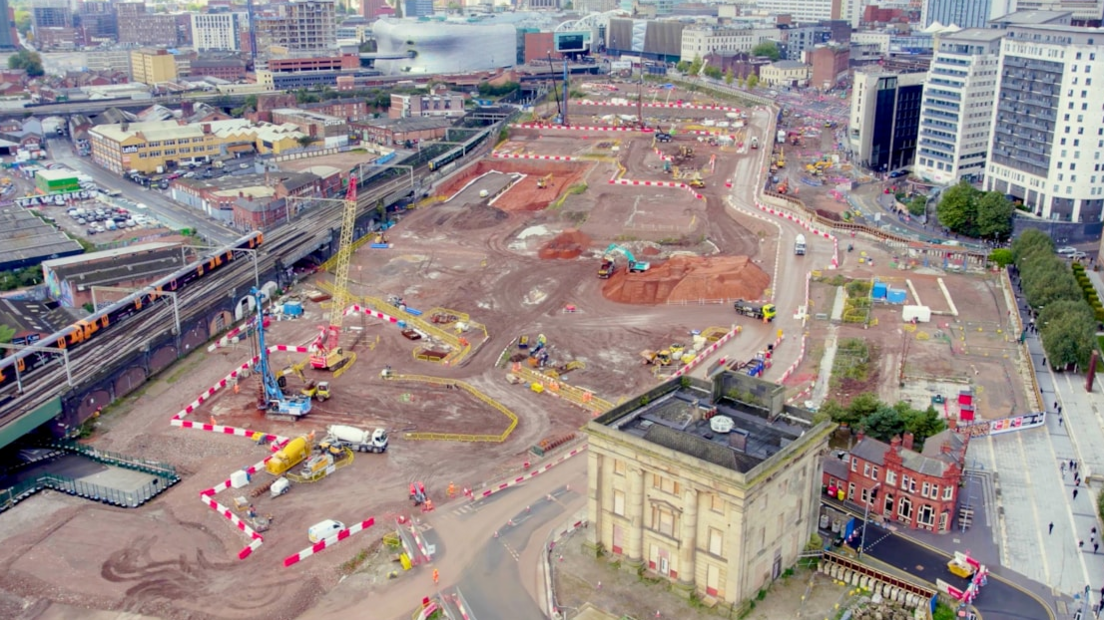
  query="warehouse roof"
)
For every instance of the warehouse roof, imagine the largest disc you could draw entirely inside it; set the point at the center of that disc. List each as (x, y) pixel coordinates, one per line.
(26, 240)
(412, 123)
(154, 131)
(120, 265)
(55, 175)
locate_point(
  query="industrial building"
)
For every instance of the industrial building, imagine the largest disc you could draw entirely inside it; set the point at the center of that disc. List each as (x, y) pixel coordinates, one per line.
(957, 111)
(716, 495)
(70, 280)
(26, 240)
(147, 146)
(436, 103)
(698, 42)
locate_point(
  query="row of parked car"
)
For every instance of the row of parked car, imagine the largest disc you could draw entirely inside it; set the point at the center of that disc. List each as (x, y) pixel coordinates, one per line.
(105, 219)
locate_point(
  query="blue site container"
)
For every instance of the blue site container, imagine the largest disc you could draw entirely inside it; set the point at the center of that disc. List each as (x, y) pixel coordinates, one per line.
(879, 290)
(293, 308)
(897, 296)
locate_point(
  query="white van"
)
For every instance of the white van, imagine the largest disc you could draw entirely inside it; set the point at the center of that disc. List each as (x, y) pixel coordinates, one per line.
(324, 529)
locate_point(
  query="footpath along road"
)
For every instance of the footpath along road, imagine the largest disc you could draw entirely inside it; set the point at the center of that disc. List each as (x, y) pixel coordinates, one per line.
(467, 552)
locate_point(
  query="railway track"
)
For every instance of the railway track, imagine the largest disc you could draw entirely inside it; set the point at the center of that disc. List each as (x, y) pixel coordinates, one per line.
(295, 240)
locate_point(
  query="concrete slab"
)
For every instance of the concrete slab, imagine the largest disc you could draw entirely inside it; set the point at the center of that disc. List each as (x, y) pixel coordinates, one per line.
(90, 472)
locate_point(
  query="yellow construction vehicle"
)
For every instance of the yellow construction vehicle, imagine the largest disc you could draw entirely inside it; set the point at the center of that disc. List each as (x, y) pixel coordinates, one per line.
(686, 152)
(657, 358)
(544, 181)
(696, 183)
(319, 391)
(781, 163)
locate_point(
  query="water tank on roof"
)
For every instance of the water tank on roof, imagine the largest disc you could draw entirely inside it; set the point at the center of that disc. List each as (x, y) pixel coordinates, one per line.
(721, 424)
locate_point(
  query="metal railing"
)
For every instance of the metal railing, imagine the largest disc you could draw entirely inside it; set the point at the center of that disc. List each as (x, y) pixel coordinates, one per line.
(157, 468)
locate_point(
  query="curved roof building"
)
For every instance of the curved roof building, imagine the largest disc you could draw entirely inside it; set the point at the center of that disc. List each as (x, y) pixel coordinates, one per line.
(442, 46)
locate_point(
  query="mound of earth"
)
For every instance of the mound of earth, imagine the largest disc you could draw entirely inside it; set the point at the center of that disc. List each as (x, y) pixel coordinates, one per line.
(689, 278)
(568, 244)
(478, 216)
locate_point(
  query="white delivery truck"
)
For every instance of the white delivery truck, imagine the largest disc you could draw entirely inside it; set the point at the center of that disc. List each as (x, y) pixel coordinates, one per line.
(799, 245)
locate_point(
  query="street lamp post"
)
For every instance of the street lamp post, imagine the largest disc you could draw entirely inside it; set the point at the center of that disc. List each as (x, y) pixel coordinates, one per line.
(866, 515)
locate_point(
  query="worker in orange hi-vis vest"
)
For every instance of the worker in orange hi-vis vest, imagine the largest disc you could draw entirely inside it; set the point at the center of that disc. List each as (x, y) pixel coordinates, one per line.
(436, 577)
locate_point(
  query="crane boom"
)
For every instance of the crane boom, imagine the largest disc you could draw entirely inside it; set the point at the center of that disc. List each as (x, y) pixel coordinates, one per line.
(326, 349)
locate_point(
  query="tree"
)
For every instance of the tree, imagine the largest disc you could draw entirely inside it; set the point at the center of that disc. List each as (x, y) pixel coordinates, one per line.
(713, 72)
(752, 81)
(922, 424)
(683, 66)
(27, 60)
(695, 65)
(768, 49)
(23, 21)
(728, 76)
(740, 81)
(305, 141)
(918, 205)
(957, 209)
(1028, 243)
(884, 424)
(994, 216)
(1048, 280)
(1067, 329)
(6, 333)
(1001, 257)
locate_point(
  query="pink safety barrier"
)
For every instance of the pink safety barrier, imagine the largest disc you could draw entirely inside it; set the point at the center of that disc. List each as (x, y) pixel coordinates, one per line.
(542, 157)
(328, 542)
(509, 483)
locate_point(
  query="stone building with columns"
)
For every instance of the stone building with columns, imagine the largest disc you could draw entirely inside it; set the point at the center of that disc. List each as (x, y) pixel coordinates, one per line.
(713, 485)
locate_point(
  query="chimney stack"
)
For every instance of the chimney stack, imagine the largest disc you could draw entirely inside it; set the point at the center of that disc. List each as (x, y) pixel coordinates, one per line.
(908, 441)
(859, 434)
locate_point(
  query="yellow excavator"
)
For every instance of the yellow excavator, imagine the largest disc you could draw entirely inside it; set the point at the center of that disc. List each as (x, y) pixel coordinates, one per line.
(544, 181)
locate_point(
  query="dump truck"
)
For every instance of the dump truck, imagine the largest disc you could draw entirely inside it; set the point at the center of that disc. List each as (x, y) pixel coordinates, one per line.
(799, 245)
(289, 456)
(755, 311)
(607, 269)
(319, 391)
(356, 439)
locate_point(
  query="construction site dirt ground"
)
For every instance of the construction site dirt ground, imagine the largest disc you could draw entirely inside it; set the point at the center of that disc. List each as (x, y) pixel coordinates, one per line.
(581, 578)
(176, 558)
(975, 349)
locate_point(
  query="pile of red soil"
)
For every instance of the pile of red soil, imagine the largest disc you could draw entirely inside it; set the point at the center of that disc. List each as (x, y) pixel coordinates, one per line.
(689, 278)
(568, 244)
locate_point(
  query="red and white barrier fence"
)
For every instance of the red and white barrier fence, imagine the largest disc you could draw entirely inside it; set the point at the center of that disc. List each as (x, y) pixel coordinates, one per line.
(804, 224)
(255, 539)
(581, 127)
(526, 156)
(649, 183)
(528, 476)
(797, 362)
(373, 313)
(328, 542)
(684, 106)
(701, 357)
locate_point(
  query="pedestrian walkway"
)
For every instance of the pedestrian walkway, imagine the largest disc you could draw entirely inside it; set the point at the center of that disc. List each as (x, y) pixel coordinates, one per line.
(1045, 532)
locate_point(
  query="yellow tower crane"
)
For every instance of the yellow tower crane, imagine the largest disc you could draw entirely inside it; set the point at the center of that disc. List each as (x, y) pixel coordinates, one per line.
(326, 351)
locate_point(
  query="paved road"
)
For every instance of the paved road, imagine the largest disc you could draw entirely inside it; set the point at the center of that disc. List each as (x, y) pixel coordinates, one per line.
(787, 280)
(500, 577)
(493, 574)
(997, 600)
(173, 214)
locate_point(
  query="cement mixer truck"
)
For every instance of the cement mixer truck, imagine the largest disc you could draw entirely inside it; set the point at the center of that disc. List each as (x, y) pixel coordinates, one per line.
(355, 439)
(289, 456)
